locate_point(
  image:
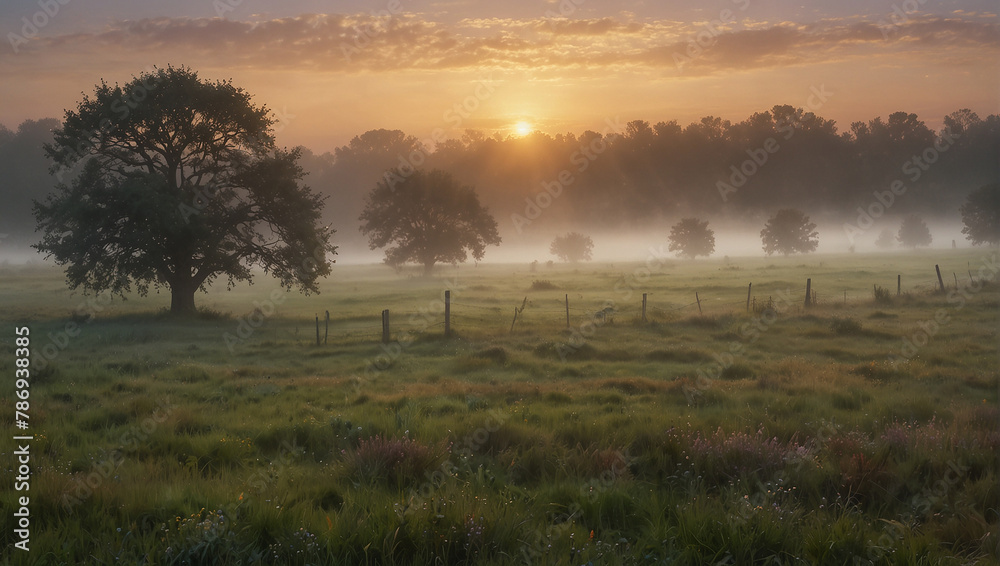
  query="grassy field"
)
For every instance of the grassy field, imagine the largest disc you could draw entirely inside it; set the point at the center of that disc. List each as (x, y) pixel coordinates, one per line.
(859, 430)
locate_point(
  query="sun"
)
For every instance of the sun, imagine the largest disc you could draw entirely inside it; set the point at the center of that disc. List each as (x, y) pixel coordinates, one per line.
(523, 128)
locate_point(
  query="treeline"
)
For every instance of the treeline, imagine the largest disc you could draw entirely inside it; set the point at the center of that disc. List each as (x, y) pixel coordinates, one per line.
(635, 173)
(632, 173)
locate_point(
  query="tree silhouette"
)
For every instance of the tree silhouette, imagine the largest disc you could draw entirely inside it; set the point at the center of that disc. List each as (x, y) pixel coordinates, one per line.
(914, 232)
(428, 218)
(981, 215)
(572, 247)
(691, 238)
(789, 231)
(181, 184)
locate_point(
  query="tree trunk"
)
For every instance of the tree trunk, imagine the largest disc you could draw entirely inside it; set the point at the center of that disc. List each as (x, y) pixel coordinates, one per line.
(428, 267)
(182, 298)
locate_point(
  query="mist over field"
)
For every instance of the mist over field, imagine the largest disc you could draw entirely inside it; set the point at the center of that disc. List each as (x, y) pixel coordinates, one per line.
(628, 185)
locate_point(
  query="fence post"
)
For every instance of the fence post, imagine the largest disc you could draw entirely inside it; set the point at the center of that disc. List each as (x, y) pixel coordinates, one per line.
(385, 326)
(809, 283)
(696, 299)
(899, 284)
(748, 296)
(940, 281)
(644, 307)
(956, 278)
(447, 313)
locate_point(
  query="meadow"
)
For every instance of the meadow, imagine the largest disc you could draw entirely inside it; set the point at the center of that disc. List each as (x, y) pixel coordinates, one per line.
(862, 429)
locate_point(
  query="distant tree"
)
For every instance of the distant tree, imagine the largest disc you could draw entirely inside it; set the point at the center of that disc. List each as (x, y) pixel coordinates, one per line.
(886, 239)
(427, 218)
(181, 184)
(26, 178)
(914, 232)
(691, 238)
(981, 215)
(789, 231)
(572, 247)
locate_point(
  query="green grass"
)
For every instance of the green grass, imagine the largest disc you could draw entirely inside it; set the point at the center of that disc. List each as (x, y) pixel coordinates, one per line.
(691, 438)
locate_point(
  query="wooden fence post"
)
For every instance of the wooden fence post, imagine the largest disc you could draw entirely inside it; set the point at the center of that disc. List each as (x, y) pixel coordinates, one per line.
(696, 299)
(385, 326)
(748, 296)
(644, 307)
(940, 281)
(447, 313)
(809, 283)
(956, 278)
(899, 284)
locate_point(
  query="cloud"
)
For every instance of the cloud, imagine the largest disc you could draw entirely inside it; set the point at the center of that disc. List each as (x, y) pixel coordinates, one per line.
(366, 43)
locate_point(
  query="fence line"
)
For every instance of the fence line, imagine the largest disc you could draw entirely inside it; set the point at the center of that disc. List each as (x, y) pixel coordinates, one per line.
(542, 310)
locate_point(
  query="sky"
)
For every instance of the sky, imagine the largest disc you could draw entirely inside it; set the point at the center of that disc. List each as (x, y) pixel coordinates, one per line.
(332, 70)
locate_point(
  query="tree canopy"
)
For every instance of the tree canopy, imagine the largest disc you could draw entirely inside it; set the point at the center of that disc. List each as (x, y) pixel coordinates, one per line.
(691, 238)
(426, 218)
(181, 184)
(914, 232)
(789, 231)
(572, 247)
(981, 215)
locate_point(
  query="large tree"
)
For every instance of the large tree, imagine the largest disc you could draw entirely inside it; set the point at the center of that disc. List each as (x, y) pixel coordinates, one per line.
(789, 231)
(981, 215)
(181, 184)
(691, 238)
(914, 232)
(572, 247)
(426, 218)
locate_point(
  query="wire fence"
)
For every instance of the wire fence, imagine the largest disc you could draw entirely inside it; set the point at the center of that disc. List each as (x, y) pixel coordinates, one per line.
(558, 310)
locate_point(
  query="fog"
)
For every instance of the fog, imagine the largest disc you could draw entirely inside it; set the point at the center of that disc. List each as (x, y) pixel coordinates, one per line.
(625, 189)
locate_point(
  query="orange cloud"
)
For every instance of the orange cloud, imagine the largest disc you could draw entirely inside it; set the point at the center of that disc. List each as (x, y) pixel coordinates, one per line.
(363, 43)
